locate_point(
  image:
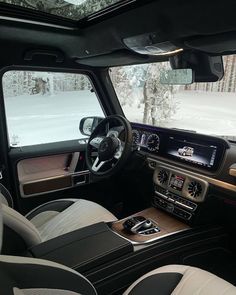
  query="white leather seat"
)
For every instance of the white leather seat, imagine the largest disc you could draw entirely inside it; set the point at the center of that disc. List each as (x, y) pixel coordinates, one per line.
(180, 280)
(5, 196)
(53, 219)
(30, 276)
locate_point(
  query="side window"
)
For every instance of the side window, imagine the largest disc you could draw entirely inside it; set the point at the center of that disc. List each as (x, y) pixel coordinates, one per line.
(46, 107)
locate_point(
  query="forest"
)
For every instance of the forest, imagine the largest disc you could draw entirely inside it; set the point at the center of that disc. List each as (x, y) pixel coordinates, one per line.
(16, 83)
(33, 98)
(159, 102)
(136, 85)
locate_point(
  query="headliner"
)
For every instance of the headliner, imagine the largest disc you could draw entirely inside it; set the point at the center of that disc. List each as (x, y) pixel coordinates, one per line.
(197, 25)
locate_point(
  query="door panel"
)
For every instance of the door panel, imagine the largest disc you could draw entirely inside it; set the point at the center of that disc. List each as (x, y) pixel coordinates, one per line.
(42, 175)
(42, 167)
(45, 185)
(47, 172)
(35, 172)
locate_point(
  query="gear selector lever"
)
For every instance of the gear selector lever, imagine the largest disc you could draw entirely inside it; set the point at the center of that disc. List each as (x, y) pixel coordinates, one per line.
(140, 225)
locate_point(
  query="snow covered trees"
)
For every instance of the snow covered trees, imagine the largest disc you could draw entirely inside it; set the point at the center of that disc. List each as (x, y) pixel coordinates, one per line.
(74, 9)
(123, 85)
(227, 84)
(159, 103)
(17, 83)
(139, 87)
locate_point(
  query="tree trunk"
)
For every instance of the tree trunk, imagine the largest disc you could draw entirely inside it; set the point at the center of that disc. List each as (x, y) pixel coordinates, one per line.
(146, 104)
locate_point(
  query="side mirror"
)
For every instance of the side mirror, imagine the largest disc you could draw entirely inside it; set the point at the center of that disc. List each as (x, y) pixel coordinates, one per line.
(88, 124)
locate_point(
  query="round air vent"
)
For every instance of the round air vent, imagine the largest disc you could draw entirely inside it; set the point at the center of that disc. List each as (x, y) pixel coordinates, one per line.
(194, 189)
(162, 177)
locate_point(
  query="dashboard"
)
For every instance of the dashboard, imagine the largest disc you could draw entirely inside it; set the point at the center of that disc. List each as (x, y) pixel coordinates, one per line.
(192, 149)
(194, 175)
(177, 157)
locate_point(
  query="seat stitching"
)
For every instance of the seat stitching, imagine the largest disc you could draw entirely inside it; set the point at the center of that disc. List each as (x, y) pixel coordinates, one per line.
(204, 285)
(50, 202)
(15, 217)
(58, 221)
(185, 278)
(227, 289)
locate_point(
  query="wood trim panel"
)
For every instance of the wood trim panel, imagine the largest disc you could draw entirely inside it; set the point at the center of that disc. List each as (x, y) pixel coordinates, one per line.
(41, 167)
(41, 175)
(47, 185)
(165, 222)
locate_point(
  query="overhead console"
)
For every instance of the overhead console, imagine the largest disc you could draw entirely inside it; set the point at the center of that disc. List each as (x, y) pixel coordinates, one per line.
(150, 44)
(188, 148)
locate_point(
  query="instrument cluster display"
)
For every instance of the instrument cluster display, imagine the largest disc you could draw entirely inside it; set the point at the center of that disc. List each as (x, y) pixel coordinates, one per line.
(146, 140)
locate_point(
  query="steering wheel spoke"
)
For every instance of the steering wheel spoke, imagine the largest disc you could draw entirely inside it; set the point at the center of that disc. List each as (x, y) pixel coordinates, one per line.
(119, 151)
(97, 164)
(112, 133)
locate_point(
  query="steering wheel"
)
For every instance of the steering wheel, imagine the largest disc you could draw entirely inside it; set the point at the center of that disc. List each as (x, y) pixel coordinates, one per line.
(107, 153)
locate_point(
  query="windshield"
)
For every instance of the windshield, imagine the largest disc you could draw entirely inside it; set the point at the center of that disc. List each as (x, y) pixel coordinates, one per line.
(208, 108)
(72, 9)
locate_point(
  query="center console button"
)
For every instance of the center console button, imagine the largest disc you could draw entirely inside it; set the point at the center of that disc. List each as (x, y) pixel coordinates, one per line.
(170, 208)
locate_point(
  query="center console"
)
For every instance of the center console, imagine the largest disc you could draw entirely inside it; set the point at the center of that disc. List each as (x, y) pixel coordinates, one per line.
(114, 255)
(148, 226)
(85, 248)
(177, 192)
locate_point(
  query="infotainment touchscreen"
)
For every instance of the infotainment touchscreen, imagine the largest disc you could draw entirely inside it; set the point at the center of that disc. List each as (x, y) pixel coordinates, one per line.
(200, 154)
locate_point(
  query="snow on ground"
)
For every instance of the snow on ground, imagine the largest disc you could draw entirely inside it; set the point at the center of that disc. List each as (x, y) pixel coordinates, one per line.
(38, 119)
(205, 112)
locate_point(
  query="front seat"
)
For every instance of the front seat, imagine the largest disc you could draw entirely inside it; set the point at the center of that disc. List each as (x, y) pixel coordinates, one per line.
(50, 220)
(31, 276)
(180, 280)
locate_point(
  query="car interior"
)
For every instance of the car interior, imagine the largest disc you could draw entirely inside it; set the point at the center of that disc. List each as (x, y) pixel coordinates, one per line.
(118, 151)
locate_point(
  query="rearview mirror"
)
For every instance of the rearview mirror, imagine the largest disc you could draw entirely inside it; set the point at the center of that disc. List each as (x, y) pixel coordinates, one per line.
(206, 68)
(88, 124)
(177, 77)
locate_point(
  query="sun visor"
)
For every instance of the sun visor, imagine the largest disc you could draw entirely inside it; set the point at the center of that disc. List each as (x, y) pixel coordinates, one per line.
(215, 44)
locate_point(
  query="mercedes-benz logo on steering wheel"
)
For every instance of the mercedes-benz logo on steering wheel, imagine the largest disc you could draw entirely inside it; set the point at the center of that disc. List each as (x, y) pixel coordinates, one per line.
(104, 146)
